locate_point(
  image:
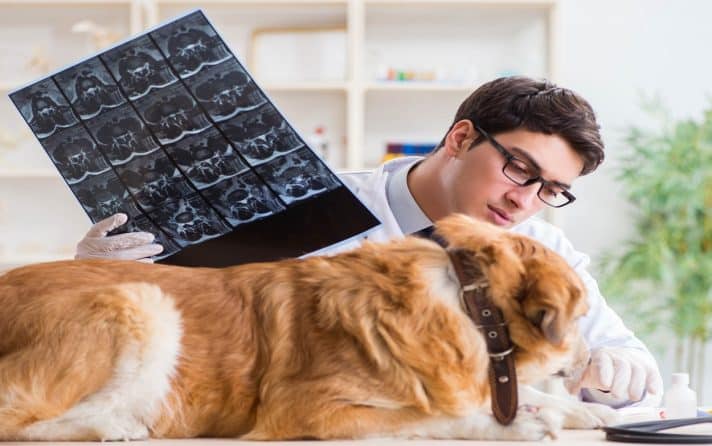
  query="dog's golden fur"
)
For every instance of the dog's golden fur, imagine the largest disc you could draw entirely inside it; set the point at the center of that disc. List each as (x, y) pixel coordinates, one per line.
(369, 342)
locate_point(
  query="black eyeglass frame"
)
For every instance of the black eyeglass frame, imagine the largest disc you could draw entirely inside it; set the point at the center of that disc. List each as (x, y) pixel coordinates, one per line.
(538, 179)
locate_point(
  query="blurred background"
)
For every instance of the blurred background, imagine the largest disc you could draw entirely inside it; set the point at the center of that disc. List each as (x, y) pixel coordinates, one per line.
(369, 80)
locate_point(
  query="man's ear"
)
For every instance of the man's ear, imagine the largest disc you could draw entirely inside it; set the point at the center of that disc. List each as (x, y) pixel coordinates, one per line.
(460, 138)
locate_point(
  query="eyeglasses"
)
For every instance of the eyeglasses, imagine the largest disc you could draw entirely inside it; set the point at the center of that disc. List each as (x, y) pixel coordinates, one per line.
(523, 174)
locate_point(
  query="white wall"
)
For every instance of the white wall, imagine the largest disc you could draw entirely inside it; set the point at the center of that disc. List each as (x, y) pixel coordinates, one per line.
(611, 51)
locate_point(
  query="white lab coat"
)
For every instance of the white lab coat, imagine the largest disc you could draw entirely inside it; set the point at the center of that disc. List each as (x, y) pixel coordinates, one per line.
(601, 326)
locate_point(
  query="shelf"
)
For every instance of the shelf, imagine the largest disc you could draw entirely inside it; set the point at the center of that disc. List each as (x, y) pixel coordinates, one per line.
(418, 86)
(254, 2)
(64, 2)
(305, 86)
(29, 173)
(445, 3)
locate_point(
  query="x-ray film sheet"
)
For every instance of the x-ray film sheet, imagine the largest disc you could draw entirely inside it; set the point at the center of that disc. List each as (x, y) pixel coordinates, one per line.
(171, 129)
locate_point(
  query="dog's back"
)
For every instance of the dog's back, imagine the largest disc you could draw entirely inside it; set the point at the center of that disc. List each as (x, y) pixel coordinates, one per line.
(87, 332)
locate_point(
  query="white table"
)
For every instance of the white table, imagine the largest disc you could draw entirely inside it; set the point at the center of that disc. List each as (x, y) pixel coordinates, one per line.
(567, 437)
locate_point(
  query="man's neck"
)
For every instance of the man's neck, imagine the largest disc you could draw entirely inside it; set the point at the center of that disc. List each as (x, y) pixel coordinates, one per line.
(425, 186)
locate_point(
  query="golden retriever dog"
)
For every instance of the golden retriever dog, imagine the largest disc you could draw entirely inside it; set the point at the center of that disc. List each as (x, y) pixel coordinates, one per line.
(368, 343)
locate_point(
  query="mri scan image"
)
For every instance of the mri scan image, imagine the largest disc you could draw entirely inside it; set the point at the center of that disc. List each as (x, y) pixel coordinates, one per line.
(121, 135)
(206, 158)
(90, 88)
(261, 135)
(171, 129)
(75, 154)
(44, 108)
(139, 67)
(243, 198)
(104, 195)
(153, 180)
(172, 113)
(189, 220)
(225, 90)
(190, 44)
(297, 176)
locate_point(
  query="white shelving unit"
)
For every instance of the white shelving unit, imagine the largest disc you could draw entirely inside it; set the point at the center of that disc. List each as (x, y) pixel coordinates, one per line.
(466, 42)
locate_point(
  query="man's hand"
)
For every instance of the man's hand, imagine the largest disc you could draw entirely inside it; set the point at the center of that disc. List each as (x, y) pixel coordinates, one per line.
(617, 375)
(128, 246)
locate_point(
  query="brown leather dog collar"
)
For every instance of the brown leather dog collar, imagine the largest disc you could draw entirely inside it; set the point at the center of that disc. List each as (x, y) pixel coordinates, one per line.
(489, 319)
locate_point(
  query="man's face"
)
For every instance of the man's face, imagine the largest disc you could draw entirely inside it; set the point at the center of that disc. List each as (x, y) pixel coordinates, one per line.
(477, 186)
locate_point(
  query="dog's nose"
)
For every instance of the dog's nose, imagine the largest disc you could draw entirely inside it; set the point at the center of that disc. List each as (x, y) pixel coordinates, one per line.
(563, 373)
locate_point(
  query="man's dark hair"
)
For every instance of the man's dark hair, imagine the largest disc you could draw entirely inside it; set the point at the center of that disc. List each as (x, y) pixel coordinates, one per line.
(511, 103)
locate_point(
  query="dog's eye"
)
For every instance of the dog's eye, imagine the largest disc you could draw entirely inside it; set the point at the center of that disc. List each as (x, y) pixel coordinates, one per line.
(521, 293)
(538, 318)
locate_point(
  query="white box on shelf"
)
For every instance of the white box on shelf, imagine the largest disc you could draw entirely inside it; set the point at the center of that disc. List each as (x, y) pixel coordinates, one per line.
(298, 54)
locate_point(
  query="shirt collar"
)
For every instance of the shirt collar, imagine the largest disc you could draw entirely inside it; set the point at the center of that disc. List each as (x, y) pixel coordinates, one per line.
(405, 209)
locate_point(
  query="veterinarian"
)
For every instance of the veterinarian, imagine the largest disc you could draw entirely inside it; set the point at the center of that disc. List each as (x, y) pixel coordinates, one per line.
(515, 146)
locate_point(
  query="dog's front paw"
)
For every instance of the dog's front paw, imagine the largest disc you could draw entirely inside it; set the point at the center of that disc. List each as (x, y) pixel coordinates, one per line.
(531, 424)
(589, 416)
(124, 433)
(606, 416)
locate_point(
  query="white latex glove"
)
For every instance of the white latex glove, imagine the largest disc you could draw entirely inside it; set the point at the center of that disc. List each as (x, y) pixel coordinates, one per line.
(128, 246)
(619, 375)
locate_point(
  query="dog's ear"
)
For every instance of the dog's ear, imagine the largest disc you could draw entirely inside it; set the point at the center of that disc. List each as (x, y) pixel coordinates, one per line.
(552, 323)
(553, 307)
(540, 305)
(551, 296)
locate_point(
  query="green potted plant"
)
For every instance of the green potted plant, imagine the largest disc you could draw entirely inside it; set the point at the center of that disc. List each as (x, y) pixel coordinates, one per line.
(662, 277)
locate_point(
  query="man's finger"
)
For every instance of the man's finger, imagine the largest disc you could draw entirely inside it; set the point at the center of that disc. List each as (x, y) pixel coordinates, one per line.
(129, 240)
(139, 252)
(600, 373)
(654, 382)
(621, 379)
(638, 377)
(103, 227)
